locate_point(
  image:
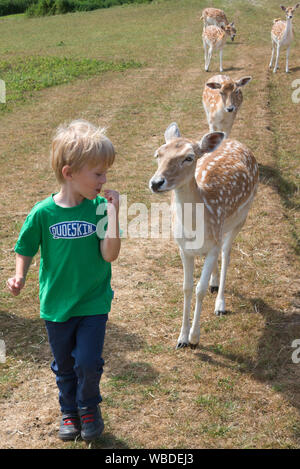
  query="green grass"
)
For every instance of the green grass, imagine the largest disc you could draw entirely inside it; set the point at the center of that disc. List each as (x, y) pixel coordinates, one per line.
(285, 175)
(23, 76)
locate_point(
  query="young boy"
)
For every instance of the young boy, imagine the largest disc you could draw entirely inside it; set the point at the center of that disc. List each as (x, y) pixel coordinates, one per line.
(75, 270)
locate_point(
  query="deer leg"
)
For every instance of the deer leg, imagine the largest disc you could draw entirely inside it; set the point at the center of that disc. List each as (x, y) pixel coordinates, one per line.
(188, 273)
(214, 278)
(205, 53)
(277, 57)
(226, 250)
(287, 60)
(221, 60)
(209, 54)
(201, 288)
(272, 55)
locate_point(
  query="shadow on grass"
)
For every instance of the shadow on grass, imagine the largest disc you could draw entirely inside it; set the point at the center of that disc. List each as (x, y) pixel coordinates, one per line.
(108, 441)
(232, 69)
(273, 363)
(26, 339)
(286, 190)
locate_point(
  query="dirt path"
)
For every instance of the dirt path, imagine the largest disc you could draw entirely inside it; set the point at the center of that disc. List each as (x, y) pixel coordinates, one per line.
(152, 393)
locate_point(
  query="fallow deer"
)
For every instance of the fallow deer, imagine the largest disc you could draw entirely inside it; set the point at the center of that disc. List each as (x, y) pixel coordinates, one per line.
(224, 184)
(282, 36)
(216, 17)
(222, 97)
(214, 38)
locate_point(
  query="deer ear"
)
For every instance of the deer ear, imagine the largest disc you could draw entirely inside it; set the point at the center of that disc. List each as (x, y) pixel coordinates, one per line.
(297, 5)
(172, 132)
(243, 81)
(211, 141)
(282, 7)
(213, 85)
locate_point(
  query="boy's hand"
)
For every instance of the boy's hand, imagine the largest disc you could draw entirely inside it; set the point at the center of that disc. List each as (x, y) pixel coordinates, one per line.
(15, 284)
(113, 198)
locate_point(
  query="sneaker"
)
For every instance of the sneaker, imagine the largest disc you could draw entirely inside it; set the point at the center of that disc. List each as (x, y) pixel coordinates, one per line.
(92, 424)
(69, 428)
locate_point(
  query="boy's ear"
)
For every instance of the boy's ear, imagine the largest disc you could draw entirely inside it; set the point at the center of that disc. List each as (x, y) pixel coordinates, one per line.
(67, 172)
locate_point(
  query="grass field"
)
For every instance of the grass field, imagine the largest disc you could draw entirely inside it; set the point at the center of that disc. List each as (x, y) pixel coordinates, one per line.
(240, 387)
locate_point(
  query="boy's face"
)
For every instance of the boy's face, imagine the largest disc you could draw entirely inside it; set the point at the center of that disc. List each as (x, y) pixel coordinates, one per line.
(88, 181)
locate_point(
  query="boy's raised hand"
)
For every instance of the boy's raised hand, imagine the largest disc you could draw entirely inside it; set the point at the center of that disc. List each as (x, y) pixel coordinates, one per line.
(15, 284)
(112, 198)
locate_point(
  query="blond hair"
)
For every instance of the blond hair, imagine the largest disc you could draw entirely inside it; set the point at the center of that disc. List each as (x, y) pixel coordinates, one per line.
(79, 143)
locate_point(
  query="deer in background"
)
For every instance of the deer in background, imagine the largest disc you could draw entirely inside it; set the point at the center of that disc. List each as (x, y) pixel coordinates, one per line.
(224, 184)
(222, 97)
(214, 38)
(216, 17)
(282, 36)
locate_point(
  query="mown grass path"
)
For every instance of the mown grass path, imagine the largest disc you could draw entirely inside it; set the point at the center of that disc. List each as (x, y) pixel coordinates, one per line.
(239, 388)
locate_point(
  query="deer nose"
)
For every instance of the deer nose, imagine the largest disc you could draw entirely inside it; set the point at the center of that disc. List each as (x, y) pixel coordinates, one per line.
(230, 108)
(155, 185)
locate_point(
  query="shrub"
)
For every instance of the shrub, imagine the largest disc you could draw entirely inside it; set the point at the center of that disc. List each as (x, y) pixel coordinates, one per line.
(53, 7)
(10, 7)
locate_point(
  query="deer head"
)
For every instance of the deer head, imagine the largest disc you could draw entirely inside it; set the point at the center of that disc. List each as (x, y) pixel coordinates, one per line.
(177, 158)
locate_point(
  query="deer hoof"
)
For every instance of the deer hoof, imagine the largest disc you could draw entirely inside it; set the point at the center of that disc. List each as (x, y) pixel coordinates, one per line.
(220, 313)
(181, 345)
(214, 289)
(193, 346)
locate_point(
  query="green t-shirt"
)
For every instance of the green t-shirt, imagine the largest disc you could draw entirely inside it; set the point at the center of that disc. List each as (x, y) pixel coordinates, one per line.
(74, 278)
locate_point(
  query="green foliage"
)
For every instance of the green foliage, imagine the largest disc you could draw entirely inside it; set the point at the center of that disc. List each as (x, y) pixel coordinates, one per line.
(53, 7)
(10, 7)
(24, 76)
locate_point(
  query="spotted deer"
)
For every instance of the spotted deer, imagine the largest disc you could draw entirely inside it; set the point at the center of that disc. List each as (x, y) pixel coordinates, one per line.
(214, 38)
(222, 98)
(223, 181)
(282, 36)
(216, 17)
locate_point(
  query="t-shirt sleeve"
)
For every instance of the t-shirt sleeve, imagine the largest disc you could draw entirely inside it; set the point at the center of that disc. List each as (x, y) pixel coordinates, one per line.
(30, 236)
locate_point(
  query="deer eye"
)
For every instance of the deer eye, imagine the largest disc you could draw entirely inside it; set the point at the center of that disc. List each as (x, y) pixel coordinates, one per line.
(189, 158)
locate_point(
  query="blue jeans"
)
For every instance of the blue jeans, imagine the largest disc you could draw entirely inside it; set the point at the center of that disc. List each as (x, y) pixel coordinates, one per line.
(78, 364)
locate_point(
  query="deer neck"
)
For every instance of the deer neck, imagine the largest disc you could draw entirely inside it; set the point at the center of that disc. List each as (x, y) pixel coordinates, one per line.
(188, 193)
(288, 26)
